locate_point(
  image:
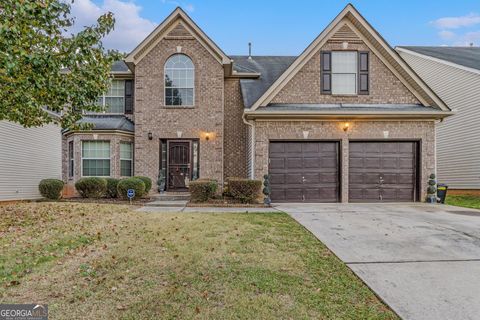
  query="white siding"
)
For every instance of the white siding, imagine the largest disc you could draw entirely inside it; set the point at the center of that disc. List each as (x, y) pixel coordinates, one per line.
(28, 155)
(458, 137)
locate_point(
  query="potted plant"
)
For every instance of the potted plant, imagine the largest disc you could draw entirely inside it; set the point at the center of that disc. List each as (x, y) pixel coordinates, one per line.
(266, 189)
(161, 181)
(432, 189)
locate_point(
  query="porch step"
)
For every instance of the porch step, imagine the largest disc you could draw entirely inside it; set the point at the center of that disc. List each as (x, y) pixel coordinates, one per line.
(165, 203)
(171, 196)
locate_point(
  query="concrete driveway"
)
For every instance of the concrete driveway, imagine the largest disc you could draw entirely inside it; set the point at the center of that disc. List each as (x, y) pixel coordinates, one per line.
(422, 260)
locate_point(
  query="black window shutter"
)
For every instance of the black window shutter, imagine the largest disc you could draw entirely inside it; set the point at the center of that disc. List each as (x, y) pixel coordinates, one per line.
(129, 96)
(326, 72)
(363, 77)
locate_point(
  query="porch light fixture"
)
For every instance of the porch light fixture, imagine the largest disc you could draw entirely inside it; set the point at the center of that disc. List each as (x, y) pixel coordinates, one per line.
(207, 136)
(346, 126)
(150, 136)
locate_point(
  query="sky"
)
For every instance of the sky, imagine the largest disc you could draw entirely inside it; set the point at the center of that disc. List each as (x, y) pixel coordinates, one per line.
(286, 27)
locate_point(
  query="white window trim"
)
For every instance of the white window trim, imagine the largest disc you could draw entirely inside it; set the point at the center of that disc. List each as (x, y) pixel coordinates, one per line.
(356, 74)
(109, 158)
(71, 160)
(165, 87)
(125, 159)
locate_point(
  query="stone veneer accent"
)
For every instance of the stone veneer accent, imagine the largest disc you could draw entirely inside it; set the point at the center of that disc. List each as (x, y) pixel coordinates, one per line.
(77, 138)
(385, 87)
(235, 161)
(423, 131)
(151, 114)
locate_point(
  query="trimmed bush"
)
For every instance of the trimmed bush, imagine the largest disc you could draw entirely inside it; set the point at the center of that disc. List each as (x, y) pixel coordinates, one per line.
(51, 188)
(245, 190)
(111, 187)
(147, 181)
(131, 183)
(202, 190)
(91, 187)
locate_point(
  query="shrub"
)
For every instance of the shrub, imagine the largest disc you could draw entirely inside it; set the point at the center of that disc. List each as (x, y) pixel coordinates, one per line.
(112, 187)
(51, 188)
(245, 190)
(148, 183)
(91, 187)
(202, 190)
(130, 183)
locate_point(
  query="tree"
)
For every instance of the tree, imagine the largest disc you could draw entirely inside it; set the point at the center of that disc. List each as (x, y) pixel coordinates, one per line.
(42, 66)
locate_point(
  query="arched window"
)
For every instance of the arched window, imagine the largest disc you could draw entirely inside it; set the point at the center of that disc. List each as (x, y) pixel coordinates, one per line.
(179, 81)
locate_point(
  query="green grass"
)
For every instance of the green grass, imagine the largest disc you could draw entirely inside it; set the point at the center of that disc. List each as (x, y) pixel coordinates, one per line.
(109, 262)
(467, 201)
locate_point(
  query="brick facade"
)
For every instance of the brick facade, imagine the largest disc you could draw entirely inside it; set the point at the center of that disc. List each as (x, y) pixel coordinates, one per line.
(385, 87)
(235, 162)
(423, 131)
(166, 122)
(218, 110)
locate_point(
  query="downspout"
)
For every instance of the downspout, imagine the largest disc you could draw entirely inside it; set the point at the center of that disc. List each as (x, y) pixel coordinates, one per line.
(252, 144)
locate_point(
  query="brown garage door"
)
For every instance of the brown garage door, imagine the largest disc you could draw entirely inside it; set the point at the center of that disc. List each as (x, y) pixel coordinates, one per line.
(304, 171)
(382, 171)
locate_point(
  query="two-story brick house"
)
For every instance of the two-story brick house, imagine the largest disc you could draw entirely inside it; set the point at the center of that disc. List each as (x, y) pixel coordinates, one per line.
(347, 120)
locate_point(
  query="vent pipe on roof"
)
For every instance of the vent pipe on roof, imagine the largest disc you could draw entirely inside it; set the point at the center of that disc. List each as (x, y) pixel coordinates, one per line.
(249, 50)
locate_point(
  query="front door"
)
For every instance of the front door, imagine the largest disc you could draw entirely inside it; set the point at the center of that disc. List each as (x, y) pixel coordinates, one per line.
(178, 164)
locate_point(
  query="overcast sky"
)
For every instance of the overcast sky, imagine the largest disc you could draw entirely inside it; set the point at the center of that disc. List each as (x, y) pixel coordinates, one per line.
(277, 27)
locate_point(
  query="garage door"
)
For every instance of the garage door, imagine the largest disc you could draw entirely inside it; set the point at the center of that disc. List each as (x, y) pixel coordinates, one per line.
(304, 171)
(382, 171)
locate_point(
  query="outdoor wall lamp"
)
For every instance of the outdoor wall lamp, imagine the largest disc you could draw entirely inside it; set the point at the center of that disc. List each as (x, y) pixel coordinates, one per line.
(346, 126)
(150, 136)
(207, 136)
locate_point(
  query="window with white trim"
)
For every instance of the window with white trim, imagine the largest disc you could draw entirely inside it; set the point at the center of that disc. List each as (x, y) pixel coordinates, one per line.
(95, 158)
(126, 159)
(71, 160)
(344, 72)
(179, 81)
(114, 99)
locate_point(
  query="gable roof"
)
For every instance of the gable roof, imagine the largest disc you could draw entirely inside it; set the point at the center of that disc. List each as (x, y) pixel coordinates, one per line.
(464, 56)
(350, 16)
(176, 17)
(269, 68)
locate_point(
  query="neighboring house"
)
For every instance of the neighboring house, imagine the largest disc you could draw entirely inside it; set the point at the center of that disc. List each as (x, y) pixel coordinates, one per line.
(347, 120)
(28, 155)
(454, 74)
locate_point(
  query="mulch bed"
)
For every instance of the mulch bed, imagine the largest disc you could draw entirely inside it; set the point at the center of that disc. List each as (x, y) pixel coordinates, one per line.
(106, 200)
(226, 203)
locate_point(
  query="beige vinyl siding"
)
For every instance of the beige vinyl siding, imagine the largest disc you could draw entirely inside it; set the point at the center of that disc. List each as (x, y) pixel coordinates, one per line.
(28, 155)
(458, 137)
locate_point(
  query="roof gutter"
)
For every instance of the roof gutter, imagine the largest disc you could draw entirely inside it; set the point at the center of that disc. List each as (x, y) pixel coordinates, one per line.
(341, 115)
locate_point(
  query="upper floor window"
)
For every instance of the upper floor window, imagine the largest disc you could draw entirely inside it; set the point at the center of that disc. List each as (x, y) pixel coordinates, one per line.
(179, 81)
(344, 72)
(114, 99)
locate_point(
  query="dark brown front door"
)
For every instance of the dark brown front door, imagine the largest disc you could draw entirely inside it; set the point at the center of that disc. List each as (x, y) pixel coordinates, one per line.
(178, 164)
(382, 171)
(304, 171)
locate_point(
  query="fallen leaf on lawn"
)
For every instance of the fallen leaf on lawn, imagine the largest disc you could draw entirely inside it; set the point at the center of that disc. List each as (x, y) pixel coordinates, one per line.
(197, 309)
(121, 307)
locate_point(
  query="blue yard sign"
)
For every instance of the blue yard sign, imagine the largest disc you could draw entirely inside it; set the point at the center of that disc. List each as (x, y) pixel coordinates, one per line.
(130, 194)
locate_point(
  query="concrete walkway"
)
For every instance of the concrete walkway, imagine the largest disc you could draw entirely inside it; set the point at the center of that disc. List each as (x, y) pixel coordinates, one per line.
(422, 260)
(204, 209)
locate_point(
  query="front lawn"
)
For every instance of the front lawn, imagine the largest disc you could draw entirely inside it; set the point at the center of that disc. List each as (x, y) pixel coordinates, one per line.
(97, 261)
(467, 201)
